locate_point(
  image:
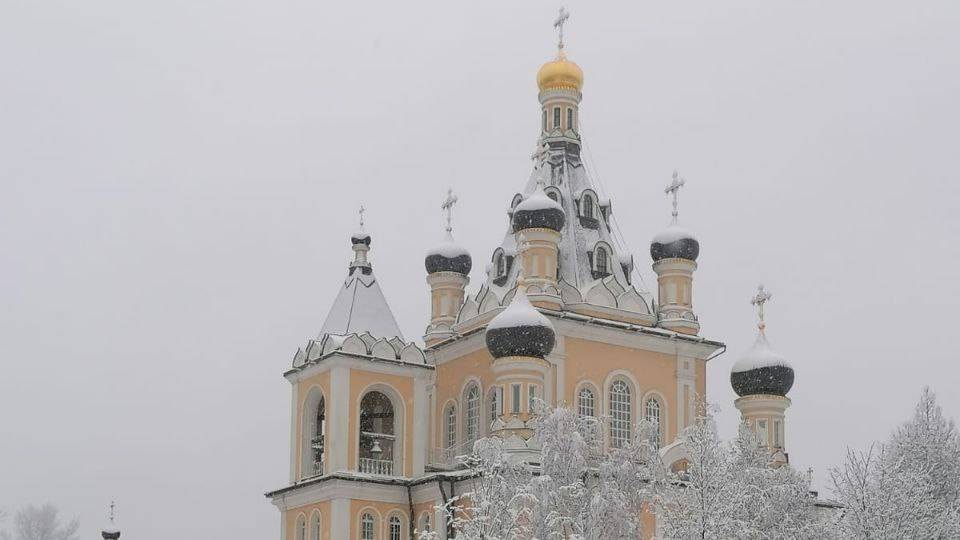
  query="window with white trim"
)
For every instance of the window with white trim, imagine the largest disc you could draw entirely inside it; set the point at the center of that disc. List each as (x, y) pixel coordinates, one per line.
(515, 401)
(777, 434)
(601, 260)
(620, 414)
(450, 439)
(501, 265)
(395, 528)
(652, 414)
(424, 523)
(586, 402)
(544, 120)
(496, 402)
(531, 398)
(570, 118)
(315, 526)
(473, 413)
(556, 118)
(301, 528)
(586, 206)
(366, 527)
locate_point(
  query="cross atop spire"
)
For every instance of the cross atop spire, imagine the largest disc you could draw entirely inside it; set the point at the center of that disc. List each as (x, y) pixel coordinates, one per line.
(558, 24)
(447, 206)
(361, 211)
(674, 189)
(762, 297)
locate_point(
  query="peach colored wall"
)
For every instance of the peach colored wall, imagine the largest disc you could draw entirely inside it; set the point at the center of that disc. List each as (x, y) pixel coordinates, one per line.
(291, 518)
(321, 380)
(359, 380)
(381, 513)
(593, 361)
(451, 377)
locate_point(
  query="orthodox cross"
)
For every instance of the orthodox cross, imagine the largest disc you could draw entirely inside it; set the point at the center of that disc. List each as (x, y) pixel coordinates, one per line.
(447, 206)
(561, 19)
(763, 296)
(674, 190)
(362, 210)
(112, 511)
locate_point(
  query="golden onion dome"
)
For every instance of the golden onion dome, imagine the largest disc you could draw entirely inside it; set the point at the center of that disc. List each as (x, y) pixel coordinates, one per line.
(560, 74)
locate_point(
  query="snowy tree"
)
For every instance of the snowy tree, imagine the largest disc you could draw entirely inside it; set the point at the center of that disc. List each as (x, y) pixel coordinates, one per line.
(578, 492)
(701, 503)
(731, 491)
(908, 487)
(40, 523)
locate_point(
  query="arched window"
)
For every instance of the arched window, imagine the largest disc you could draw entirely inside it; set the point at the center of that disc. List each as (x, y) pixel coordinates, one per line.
(620, 419)
(570, 118)
(602, 260)
(366, 527)
(377, 435)
(395, 528)
(652, 414)
(556, 118)
(315, 533)
(553, 195)
(544, 120)
(472, 413)
(301, 528)
(501, 265)
(586, 402)
(316, 442)
(450, 433)
(586, 206)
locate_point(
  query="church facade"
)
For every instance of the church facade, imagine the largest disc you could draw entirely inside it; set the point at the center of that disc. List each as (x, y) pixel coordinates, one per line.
(377, 421)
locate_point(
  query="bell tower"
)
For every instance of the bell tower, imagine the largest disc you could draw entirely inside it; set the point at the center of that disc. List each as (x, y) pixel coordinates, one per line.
(448, 269)
(674, 251)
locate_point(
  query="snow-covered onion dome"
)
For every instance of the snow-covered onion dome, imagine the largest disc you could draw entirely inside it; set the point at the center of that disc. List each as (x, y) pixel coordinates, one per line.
(520, 330)
(538, 211)
(674, 242)
(360, 238)
(761, 371)
(448, 256)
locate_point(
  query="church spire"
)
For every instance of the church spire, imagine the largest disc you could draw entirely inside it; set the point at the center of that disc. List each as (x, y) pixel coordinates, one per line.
(111, 532)
(560, 81)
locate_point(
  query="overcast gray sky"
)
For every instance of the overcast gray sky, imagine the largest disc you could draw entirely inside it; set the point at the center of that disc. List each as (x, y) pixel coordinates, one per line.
(178, 180)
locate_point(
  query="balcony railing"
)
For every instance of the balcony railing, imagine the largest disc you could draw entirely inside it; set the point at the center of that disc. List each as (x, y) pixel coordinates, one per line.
(449, 458)
(382, 467)
(317, 468)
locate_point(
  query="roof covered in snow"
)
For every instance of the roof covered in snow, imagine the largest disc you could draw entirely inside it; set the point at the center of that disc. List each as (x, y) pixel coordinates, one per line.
(567, 179)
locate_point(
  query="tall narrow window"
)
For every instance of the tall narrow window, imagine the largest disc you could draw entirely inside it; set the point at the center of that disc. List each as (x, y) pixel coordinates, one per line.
(586, 402)
(395, 528)
(762, 432)
(501, 266)
(316, 442)
(473, 413)
(301, 528)
(531, 398)
(315, 526)
(515, 398)
(586, 206)
(496, 402)
(602, 261)
(424, 523)
(652, 414)
(777, 434)
(620, 414)
(451, 428)
(556, 118)
(544, 120)
(366, 527)
(569, 118)
(377, 434)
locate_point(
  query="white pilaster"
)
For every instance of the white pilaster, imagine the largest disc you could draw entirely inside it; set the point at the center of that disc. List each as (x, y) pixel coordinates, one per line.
(340, 518)
(420, 425)
(294, 431)
(338, 419)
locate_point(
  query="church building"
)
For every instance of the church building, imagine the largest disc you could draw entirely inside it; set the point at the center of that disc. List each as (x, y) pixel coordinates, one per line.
(378, 421)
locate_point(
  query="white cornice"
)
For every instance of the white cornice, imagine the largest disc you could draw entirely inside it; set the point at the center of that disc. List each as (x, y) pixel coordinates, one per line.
(364, 362)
